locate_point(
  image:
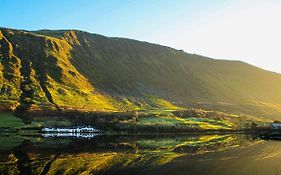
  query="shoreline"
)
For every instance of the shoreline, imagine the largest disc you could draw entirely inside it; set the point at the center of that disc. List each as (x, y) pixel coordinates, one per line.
(198, 132)
(158, 121)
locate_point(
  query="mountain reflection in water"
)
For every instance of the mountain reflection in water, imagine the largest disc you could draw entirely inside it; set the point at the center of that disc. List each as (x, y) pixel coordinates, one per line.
(139, 154)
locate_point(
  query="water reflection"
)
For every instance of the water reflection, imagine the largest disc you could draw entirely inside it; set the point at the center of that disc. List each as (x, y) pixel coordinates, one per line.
(71, 134)
(108, 154)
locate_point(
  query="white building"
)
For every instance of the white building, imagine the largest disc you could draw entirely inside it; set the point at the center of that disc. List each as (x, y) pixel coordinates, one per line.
(87, 129)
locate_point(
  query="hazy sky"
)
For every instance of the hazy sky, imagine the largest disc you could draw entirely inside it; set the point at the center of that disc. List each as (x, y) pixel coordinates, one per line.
(248, 30)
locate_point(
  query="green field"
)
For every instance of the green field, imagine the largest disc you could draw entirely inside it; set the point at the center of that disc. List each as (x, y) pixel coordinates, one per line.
(8, 120)
(203, 123)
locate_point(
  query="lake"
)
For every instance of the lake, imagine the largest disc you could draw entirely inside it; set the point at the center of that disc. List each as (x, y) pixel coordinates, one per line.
(139, 154)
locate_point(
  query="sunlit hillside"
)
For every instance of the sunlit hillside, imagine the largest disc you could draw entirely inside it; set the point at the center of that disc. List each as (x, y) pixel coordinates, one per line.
(69, 69)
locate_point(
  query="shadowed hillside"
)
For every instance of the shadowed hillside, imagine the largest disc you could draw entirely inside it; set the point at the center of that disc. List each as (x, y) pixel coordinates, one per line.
(78, 70)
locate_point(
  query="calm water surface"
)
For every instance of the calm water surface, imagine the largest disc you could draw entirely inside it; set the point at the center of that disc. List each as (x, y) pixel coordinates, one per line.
(139, 154)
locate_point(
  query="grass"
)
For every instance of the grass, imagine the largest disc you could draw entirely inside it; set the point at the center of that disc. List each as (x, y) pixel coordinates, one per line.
(161, 103)
(79, 98)
(169, 121)
(49, 122)
(8, 120)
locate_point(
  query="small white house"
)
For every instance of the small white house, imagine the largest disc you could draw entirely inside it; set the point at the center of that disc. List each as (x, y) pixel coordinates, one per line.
(87, 129)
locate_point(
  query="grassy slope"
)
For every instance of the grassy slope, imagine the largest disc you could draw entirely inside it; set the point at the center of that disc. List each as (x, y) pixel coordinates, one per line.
(73, 69)
(134, 69)
(47, 78)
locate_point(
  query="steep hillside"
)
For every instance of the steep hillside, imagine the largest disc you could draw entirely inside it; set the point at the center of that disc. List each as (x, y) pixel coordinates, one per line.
(78, 70)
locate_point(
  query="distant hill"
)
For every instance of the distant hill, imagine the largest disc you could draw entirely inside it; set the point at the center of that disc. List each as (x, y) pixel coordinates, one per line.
(76, 70)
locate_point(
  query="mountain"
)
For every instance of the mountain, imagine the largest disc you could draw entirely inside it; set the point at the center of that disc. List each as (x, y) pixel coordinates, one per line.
(76, 70)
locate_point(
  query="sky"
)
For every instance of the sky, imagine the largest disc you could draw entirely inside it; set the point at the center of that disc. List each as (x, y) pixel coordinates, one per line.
(247, 30)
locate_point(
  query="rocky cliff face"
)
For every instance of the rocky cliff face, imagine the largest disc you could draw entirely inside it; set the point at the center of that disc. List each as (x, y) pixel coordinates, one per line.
(78, 70)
